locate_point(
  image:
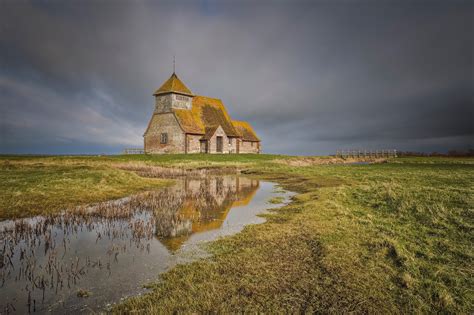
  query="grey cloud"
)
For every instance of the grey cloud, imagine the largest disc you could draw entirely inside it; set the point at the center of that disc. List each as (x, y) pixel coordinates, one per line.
(311, 77)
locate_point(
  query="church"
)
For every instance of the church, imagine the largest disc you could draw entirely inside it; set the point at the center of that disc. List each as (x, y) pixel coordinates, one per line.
(186, 123)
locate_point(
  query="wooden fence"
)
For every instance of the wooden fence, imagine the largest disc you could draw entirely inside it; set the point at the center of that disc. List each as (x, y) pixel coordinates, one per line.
(366, 153)
(133, 151)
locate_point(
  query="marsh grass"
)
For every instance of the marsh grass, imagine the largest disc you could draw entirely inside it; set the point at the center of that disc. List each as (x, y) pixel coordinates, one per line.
(28, 189)
(276, 200)
(382, 238)
(82, 293)
(385, 238)
(37, 253)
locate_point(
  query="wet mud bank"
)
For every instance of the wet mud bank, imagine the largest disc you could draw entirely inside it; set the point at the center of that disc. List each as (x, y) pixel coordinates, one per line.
(177, 172)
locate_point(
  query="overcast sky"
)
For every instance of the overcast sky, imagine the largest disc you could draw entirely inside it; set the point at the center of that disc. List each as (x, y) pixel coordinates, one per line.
(311, 77)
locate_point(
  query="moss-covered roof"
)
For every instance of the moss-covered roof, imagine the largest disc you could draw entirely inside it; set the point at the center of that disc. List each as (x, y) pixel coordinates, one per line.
(173, 85)
(188, 122)
(245, 130)
(206, 113)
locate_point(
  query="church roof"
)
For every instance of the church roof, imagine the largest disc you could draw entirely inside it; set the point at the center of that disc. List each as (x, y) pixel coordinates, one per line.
(173, 85)
(245, 130)
(206, 113)
(188, 122)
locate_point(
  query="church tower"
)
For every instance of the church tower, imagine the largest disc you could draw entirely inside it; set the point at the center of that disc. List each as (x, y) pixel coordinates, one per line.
(173, 94)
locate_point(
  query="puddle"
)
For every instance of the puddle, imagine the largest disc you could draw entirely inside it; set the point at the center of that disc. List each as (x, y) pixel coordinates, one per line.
(110, 250)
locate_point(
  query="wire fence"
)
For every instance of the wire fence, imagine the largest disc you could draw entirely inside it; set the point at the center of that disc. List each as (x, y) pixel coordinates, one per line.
(366, 153)
(133, 151)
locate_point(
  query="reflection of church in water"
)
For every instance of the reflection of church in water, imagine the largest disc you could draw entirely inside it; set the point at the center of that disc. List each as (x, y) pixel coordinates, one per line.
(201, 205)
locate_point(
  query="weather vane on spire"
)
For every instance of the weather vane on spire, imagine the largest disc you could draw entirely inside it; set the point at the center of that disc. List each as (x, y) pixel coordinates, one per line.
(174, 63)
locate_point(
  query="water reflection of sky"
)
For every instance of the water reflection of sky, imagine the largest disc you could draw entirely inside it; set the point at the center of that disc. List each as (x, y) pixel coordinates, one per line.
(112, 249)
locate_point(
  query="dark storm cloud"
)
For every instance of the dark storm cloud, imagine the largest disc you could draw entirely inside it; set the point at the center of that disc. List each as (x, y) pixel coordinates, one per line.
(312, 77)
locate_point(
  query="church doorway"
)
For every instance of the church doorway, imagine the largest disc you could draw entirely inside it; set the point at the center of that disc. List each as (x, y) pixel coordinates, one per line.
(204, 146)
(219, 144)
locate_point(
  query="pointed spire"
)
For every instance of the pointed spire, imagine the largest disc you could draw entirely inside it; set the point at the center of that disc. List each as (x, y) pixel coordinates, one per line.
(173, 85)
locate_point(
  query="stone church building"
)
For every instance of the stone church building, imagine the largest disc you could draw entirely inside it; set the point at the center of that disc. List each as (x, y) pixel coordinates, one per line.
(186, 123)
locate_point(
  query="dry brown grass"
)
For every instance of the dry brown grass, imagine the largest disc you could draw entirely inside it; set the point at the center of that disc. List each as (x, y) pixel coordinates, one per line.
(311, 161)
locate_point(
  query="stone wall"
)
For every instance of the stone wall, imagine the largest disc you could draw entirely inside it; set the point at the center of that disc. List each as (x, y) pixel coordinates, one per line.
(194, 145)
(233, 145)
(249, 147)
(164, 123)
(213, 141)
(164, 103)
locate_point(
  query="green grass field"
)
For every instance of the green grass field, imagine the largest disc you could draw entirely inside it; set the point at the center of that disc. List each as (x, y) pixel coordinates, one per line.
(44, 186)
(394, 237)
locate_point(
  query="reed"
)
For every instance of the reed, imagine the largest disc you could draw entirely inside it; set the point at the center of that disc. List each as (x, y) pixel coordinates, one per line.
(125, 223)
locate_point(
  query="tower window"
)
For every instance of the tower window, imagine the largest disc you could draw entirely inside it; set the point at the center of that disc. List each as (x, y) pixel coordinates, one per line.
(164, 138)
